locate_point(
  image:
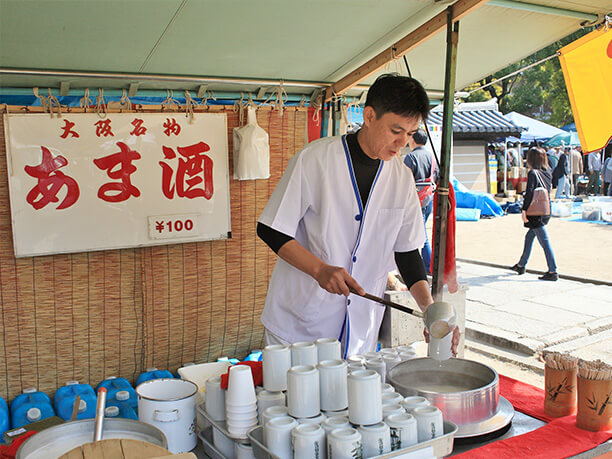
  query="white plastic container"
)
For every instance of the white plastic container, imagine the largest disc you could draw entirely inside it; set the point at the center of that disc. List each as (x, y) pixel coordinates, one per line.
(561, 208)
(200, 373)
(591, 211)
(606, 212)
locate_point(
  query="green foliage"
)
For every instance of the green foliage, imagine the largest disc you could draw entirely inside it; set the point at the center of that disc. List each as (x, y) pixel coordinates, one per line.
(538, 92)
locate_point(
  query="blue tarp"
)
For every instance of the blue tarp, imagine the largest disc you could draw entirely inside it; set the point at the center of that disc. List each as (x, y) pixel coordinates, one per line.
(468, 199)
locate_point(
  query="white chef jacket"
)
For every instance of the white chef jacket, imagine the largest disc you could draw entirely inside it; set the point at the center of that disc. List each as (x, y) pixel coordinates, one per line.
(317, 202)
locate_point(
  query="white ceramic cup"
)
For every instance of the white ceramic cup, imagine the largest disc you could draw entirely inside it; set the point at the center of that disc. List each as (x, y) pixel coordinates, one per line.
(378, 365)
(429, 422)
(404, 431)
(406, 348)
(392, 408)
(440, 348)
(328, 349)
(331, 414)
(407, 355)
(266, 399)
(240, 387)
(356, 358)
(304, 353)
(389, 398)
(414, 401)
(344, 443)
(224, 444)
(391, 360)
(387, 388)
(277, 436)
(335, 422)
(308, 442)
(273, 412)
(214, 397)
(365, 400)
(303, 393)
(376, 439)
(319, 419)
(388, 351)
(242, 451)
(276, 363)
(372, 355)
(333, 385)
(355, 366)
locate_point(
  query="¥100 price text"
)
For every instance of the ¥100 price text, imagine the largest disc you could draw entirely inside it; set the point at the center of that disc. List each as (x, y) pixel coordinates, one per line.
(174, 225)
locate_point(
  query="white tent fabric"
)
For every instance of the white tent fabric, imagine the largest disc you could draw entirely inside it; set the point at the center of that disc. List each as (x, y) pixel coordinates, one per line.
(536, 130)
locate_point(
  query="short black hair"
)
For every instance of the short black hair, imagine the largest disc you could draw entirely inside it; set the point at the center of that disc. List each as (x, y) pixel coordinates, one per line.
(398, 94)
(420, 137)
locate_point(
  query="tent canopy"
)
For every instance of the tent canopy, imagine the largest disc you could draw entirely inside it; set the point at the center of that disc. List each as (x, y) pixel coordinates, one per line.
(319, 41)
(535, 129)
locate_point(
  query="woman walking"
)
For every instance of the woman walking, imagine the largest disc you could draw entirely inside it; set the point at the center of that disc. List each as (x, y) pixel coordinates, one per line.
(539, 177)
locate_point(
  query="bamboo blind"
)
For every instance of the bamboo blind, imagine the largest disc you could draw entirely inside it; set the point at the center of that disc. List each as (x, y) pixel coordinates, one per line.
(88, 316)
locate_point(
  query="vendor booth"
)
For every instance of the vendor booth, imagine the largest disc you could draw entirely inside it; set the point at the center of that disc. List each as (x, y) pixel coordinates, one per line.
(128, 213)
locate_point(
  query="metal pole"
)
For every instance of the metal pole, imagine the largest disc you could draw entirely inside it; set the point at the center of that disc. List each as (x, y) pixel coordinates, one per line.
(506, 166)
(439, 242)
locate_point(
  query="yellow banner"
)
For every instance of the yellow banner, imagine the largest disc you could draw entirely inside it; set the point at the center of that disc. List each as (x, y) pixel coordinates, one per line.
(587, 68)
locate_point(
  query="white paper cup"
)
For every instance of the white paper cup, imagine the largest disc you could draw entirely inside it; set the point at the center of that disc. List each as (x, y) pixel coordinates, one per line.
(387, 388)
(414, 401)
(214, 397)
(333, 384)
(277, 436)
(440, 348)
(404, 431)
(393, 408)
(224, 444)
(390, 398)
(356, 358)
(328, 349)
(308, 442)
(376, 439)
(318, 420)
(378, 365)
(266, 399)
(304, 353)
(231, 417)
(303, 393)
(429, 422)
(344, 444)
(335, 422)
(240, 387)
(243, 451)
(365, 400)
(273, 412)
(276, 363)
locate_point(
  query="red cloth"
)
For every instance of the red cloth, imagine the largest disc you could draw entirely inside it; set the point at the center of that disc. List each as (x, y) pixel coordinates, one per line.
(559, 438)
(256, 369)
(450, 265)
(10, 451)
(314, 124)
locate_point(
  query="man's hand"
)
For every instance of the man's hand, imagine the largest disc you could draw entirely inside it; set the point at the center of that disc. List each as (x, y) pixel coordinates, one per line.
(337, 280)
(456, 336)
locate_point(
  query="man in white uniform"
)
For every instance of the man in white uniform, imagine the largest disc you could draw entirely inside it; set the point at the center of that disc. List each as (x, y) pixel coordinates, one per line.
(342, 211)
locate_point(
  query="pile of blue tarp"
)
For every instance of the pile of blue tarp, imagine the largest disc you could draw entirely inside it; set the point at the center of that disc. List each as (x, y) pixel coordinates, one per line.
(467, 199)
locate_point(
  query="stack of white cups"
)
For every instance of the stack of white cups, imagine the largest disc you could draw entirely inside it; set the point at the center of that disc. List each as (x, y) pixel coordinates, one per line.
(276, 363)
(240, 401)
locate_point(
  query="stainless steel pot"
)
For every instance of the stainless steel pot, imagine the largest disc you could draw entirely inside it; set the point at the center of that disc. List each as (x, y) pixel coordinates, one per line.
(60, 439)
(466, 392)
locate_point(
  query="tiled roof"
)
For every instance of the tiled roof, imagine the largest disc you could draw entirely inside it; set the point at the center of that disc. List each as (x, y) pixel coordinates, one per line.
(478, 121)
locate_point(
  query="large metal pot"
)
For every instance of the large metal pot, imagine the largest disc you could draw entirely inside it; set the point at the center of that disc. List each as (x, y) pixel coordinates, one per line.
(466, 392)
(60, 439)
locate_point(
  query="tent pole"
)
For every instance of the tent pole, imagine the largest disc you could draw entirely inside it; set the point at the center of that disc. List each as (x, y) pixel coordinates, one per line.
(506, 166)
(441, 219)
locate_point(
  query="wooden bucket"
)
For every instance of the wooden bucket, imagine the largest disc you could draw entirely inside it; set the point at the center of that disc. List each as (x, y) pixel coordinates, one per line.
(117, 448)
(594, 404)
(560, 396)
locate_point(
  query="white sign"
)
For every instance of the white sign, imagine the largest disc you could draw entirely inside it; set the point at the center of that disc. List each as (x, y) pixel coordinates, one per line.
(82, 182)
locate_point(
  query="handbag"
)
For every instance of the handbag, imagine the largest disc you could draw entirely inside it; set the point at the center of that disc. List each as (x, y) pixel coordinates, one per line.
(540, 202)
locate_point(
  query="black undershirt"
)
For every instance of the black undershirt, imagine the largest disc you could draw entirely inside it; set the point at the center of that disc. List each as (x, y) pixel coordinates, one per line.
(410, 264)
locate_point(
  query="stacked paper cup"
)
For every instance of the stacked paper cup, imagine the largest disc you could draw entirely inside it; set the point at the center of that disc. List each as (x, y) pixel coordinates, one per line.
(240, 401)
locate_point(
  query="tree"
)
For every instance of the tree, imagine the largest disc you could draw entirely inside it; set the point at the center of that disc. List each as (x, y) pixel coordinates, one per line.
(538, 92)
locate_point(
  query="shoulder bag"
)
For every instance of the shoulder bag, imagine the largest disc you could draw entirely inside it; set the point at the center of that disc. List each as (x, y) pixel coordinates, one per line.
(540, 202)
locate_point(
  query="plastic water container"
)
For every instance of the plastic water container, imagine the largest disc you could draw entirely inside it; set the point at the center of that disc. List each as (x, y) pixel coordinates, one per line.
(114, 385)
(65, 397)
(120, 409)
(29, 407)
(153, 373)
(4, 419)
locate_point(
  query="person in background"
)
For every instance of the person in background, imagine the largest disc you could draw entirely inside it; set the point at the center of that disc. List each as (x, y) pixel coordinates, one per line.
(514, 158)
(606, 171)
(594, 165)
(576, 167)
(421, 162)
(561, 176)
(552, 156)
(539, 176)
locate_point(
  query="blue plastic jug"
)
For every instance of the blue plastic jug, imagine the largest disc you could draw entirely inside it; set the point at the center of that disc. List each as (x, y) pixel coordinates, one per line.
(65, 397)
(120, 409)
(114, 386)
(153, 373)
(29, 407)
(4, 419)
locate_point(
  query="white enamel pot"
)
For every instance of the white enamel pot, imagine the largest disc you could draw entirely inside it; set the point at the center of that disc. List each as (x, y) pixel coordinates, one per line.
(170, 405)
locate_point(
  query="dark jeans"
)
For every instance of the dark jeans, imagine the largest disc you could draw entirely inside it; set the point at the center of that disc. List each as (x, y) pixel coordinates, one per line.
(542, 236)
(593, 186)
(426, 251)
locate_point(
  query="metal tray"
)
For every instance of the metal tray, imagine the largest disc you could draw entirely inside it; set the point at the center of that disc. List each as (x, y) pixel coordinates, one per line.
(221, 425)
(207, 442)
(442, 446)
